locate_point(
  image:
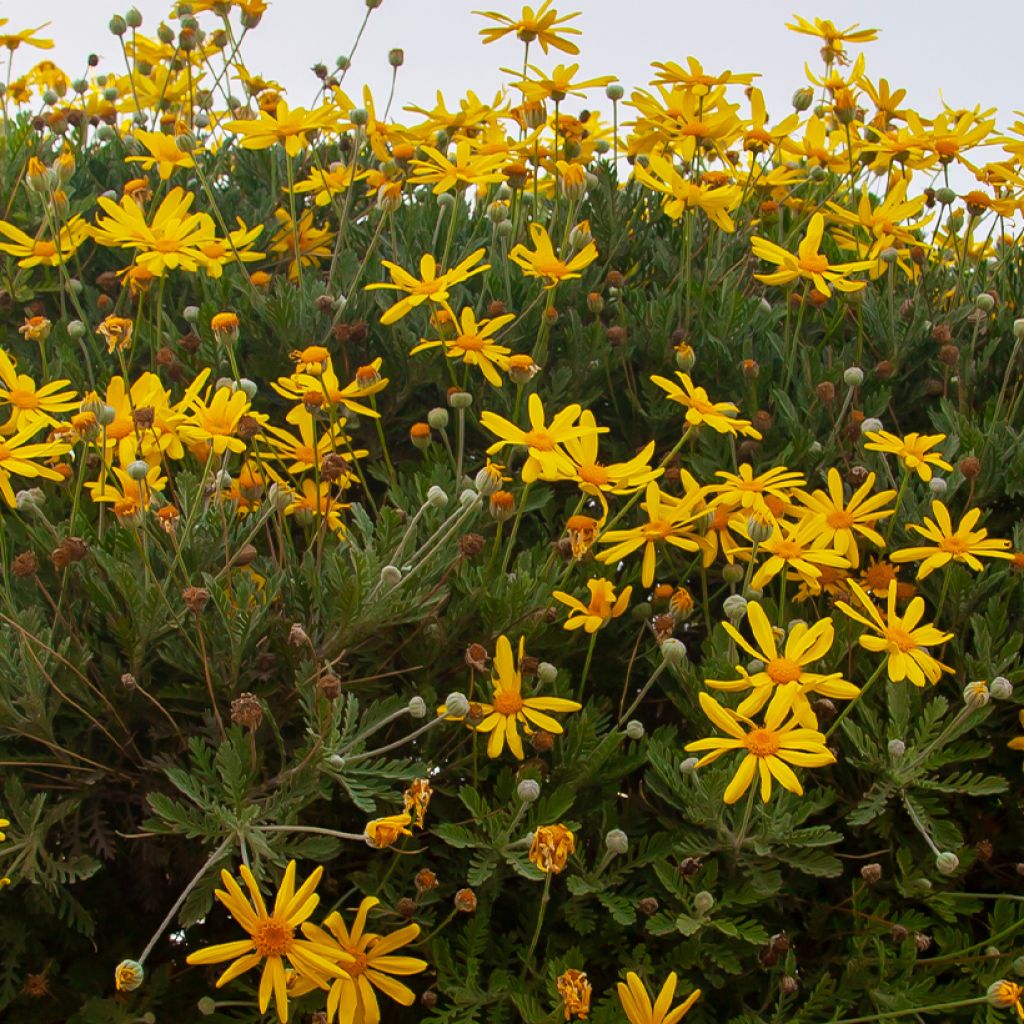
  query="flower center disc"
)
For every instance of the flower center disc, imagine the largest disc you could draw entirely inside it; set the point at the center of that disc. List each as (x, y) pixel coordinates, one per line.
(762, 742)
(783, 670)
(508, 703)
(273, 937)
(539, 439)
(900, 639)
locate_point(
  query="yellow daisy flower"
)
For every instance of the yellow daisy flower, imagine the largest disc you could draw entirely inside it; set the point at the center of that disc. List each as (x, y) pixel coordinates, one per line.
(963, 544)
(603, 606)
(430, 286)
(700, 410)
(542, 261)
(474, 344)
(638, 1008)
(912, 450)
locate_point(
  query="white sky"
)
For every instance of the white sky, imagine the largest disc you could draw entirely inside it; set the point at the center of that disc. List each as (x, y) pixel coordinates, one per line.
(971, 51)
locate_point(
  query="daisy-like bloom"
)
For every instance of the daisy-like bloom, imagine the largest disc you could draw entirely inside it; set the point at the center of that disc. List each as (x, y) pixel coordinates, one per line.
(545, 458)
(638, 1008)
(302, 387)
(701, 411)
(417, 800)
(117, 330)
(384, 832)
(215, 421)
(770, 748)
(695, 78)
(847, 521)
(545, 25)
(470, 167)
(559, 84)
(128, 497)
(797, 548)
(912, 450)
(366, 962)
(785, 672)
(670, 521)
(43, 251)
(290, 128)
(832, 36)
(17, 458)
(163, 151)
(170, 241)
(878, 574)
(316, 503)
(509, 708)
(474, 344)
(767, 493)
(542, 261)
(809, 263)
(12, 40)
(602, 609)
(575, 990)
(682, 195)
(963, 544)
(236, 247)
(596, 478)
(315, 442)
(902, 637)
(30, 405)
(551, 847)
(272, 938)
(430, 286)
(36, 328)
(328, 183)
(302, 244)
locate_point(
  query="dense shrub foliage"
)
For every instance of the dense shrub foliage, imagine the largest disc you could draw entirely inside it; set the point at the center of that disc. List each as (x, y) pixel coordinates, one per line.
(502, 562)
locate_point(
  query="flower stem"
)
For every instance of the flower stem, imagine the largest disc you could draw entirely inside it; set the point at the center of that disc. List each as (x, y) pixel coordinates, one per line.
(862, 695)
(545, 896)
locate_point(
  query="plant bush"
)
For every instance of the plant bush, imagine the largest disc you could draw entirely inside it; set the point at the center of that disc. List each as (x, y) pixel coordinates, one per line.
(508, 563)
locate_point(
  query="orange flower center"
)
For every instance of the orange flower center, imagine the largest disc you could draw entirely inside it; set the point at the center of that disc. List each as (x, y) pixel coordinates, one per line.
(955, 545)
(840, 519)
(657, 529)
(900, 639)
(539, 439)
(551, 268)
(783, 670)
(594, 474)
(22, 399)
(427, 287)
(470, 342)
(273, 937)
(5, 453)
(761, 742)
(44, 249)
(507, 703)
(787, 550)
(167, 245)
(814, 264)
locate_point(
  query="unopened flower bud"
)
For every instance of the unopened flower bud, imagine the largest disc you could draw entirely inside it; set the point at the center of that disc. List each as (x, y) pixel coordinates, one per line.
(1001, 688)
(617, 842)
(128, 975)
(528, 791)
(976, 694)
(946, 863)
(635, 730)
(117, 25)
(937, 485)
(614, 92)
(396, 57)
(673, 651)
(853, 376)
(759, 529)
(984, 302)
(359, 116)
(138, 469)
(897, 748)
(436, 497)
(871, 424)
(703, 902)
(390, 576)
(689, 766)
(735, 607)
(546, 673)
(460, 399)
(457, 705)
(871, 873)
(417, 707)
(802, 99)
(1018, 329)
(732, 574)
(438, 418)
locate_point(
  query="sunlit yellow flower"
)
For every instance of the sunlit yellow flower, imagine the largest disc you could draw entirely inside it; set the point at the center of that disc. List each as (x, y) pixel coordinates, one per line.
(171, 240)
(128, 497)
(216, 421)
(902, 637)
(602, 609)
(430, 286)
(30, 405)
(847, 521)
(42, 251)
(12, 40)
(541, 261)
(509, 709)
(597, 478)
(551, 847)
(301, 243)
(749, 493)
(237, 246)
(912, 450)
(682, 194)
(559, 84)
(638, 1008)
(164, 153)
(694, 76)
(670, 521)
(700, 410)
(384, 832)
(785, 673)
(290, 128)
(964, 544)
(366, 962)
(768, 747)
(17, 458)
(272, 938)
(474, 344)
(809, 263)
(469, 167)
(316, 503)
(833, 37)
(545, 26)
(325, 385)
(797, 548)
(546, 459)
(316, 440)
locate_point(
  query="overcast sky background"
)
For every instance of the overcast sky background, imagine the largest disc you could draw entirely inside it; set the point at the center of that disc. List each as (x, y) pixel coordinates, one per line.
(971, 53)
